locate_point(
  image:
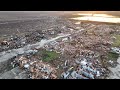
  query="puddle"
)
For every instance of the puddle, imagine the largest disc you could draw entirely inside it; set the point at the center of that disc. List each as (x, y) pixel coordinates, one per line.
(97, 17)
(78, 23)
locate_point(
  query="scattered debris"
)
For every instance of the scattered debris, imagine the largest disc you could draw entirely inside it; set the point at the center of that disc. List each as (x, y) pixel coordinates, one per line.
(116, 50)
(76, 56)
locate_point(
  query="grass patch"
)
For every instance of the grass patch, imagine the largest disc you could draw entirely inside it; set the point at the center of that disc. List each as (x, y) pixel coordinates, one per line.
(113, 56)
(116, 43)
(48, 55)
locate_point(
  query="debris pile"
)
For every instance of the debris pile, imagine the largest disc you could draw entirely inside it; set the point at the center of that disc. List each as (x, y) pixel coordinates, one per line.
(36, 68)
(13, 42)
(85, 67)
(115, 50)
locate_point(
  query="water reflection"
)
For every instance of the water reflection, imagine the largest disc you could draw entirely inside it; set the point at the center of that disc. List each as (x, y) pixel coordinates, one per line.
(77, 23)
(98, 18)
